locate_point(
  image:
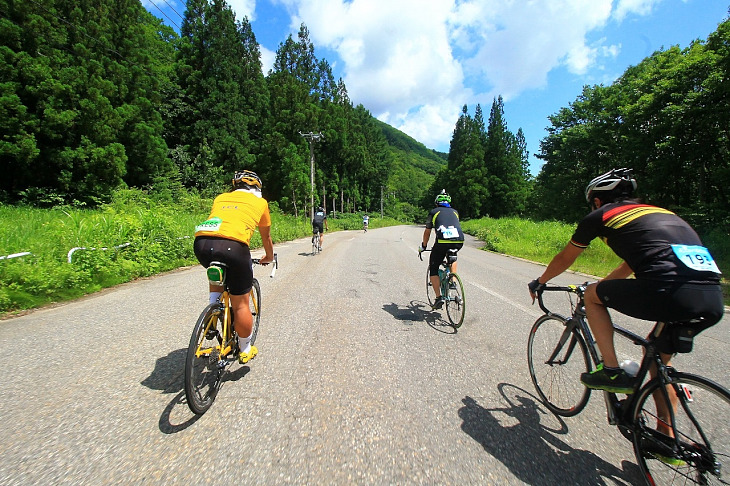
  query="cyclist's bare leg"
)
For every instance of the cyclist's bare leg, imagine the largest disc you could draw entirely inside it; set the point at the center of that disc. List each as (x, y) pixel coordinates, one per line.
(436, 283)
(453, 267)
(664, 418)
(243, 320)
(600, 323)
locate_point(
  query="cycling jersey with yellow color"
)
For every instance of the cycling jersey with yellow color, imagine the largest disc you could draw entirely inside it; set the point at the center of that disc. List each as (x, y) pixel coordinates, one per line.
(235, 215)
(656, 243)
(445, 221)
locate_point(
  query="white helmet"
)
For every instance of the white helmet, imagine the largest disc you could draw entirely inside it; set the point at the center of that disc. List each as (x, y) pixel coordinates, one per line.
(615, 179)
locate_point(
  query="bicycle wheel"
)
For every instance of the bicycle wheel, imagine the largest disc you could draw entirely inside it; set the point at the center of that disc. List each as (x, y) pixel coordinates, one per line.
(702, 426)
(455, 301)
(430, 292)
(556, 356)
(254, 302)
(202, 375)
(315, 244)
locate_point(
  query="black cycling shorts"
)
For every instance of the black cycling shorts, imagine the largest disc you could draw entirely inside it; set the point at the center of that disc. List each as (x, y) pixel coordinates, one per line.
(317, 228)
(652, 300)
(236, 255)
(438, 253)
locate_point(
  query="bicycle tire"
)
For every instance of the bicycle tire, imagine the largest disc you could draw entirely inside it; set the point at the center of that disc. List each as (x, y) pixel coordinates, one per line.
(455, 301)
(558, 383)
(430, 292)
(315, 244)
(202, 375)
(702, 425)
(254, 302)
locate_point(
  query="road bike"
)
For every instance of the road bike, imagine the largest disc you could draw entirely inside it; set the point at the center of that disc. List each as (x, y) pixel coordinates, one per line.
(316, 243)
(214, 343)
(452, 289)
(560, 348)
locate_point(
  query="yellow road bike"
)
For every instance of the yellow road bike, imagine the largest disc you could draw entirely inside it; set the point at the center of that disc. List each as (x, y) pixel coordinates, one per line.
(214, 343)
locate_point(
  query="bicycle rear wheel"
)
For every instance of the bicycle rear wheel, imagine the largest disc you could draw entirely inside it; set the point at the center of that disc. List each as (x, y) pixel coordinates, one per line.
(202, 375)
(701, 424)
(315, 244)
(254, 302)
(455, 302)
(556, 356)
(430, 292)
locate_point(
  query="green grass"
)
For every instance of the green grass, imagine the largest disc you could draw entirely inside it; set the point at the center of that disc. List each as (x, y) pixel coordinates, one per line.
(540, 241)
(136, 235)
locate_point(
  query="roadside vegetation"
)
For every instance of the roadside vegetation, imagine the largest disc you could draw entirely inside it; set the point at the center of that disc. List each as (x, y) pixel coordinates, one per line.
(136, 235)
(540, 241)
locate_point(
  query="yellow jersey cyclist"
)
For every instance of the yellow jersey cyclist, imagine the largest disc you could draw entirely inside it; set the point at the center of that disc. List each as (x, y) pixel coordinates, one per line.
(676, 277)
(225, 237)
(444, 221)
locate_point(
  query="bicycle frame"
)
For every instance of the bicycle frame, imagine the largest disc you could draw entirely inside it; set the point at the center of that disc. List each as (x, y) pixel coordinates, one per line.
(617, 410)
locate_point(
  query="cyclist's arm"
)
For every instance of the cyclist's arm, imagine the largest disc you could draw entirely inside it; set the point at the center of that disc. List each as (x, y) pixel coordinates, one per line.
(561, 262)
(426, 237)
(622, 271)
(268, 243)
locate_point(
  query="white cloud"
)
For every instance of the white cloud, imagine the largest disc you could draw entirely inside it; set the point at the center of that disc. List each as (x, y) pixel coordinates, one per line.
(243, 8)
(638, 7)
(415, 63)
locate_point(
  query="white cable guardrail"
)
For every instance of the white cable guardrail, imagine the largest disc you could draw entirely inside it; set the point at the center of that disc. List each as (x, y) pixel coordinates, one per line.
(15, 255)
(123, 245)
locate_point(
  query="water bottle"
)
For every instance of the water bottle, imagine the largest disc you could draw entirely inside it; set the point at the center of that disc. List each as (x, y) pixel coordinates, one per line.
(630, 367)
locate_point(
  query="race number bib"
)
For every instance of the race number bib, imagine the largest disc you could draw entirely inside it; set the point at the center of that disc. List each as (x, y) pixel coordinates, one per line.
(449, 233)
(696, 257)
(212, 224)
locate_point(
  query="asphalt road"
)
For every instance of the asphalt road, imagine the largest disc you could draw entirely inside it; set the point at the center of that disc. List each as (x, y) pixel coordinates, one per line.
(357, 381)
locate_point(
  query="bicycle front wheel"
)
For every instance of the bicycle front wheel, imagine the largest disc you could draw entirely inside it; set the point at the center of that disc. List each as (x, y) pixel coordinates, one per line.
(701, 424)
(557, 355)
(455, 301)
(202, 375)
(254, 302)
(430, 292)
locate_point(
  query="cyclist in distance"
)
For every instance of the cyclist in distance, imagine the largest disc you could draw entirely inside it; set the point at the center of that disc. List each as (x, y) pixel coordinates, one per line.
(225, 237)
(444, 220)
(319, 224)
(365, 222)
(676, 277)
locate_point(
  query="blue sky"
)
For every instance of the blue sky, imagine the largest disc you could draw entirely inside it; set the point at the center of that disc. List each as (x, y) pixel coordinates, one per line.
(415, 63)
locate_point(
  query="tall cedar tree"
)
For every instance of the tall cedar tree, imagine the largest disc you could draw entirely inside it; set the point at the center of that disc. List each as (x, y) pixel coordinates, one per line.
(219, 71)
(79, 102)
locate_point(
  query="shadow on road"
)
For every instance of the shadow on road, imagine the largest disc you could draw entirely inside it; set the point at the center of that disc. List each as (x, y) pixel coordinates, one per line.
(419, 311)
(168, 377)
(515, 436)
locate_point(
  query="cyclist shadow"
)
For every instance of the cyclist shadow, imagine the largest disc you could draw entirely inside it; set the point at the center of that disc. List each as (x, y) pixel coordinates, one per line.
(530, 450)
(168, 377)
(419, 311)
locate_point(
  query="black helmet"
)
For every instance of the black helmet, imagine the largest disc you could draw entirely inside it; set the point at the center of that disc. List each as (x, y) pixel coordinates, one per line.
(612, 183)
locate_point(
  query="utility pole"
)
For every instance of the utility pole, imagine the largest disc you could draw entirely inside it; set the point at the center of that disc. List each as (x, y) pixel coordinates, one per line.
(311, 138)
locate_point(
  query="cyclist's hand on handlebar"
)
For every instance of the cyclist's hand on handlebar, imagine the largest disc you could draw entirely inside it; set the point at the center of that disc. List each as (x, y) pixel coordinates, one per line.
(266, 260)
(535, 287)
(421, 249)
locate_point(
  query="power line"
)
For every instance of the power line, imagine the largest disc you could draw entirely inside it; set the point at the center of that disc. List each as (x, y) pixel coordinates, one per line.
(163, 13)
(173, 9)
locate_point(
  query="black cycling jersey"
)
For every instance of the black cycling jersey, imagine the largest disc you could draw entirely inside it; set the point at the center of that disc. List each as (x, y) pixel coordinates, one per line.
(319, 217)
(445, 221)
(653, 241)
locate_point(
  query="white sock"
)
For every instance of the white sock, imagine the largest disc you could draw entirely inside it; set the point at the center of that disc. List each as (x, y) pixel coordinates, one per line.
(214, 296)
(244, 344)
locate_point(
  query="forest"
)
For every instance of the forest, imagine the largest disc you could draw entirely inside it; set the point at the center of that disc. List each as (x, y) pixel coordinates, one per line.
(98, 95)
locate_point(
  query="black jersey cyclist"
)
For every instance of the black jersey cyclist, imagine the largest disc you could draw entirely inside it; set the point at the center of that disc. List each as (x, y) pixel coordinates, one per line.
(319, 224)
(676, 277)
(444, 220)
(225, 237)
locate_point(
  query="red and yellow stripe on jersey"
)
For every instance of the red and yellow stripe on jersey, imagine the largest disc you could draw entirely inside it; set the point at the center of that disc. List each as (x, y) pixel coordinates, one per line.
(617, 217)
(620, 216)
(236, 215)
